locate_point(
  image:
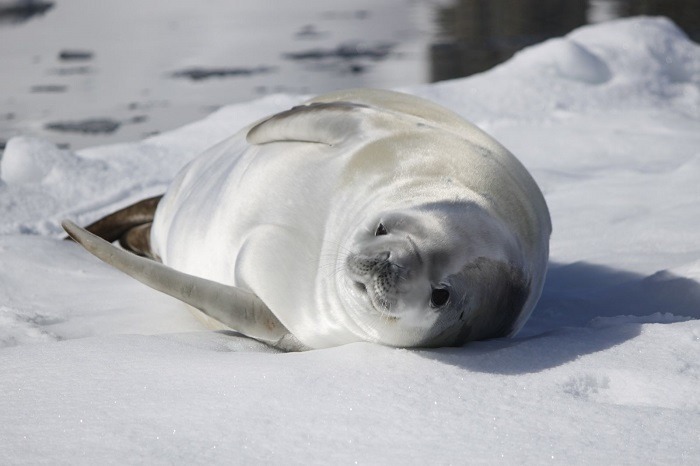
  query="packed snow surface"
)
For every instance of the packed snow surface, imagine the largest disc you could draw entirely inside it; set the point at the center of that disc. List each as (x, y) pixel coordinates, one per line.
(98, 369)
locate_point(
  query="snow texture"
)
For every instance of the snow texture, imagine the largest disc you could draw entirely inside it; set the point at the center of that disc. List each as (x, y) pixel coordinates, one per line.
(98, 369)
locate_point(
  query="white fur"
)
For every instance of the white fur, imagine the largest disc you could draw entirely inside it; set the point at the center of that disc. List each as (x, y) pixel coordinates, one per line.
(276, 208)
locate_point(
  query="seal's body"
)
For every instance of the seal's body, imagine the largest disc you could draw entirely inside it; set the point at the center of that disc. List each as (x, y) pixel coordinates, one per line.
(364, 215)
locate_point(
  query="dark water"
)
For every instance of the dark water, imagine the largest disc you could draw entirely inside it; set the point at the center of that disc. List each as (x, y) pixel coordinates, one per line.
(479, 34)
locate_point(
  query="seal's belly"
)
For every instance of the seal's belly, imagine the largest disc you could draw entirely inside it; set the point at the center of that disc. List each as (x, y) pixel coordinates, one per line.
(230, 195)
(254, 217)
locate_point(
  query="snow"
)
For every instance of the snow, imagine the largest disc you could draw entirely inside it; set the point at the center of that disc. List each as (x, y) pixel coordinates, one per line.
(99, 369)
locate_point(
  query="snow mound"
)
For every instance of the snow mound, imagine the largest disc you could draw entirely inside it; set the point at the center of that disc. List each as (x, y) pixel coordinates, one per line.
(98, 369)
(569, 59)
(619, 65)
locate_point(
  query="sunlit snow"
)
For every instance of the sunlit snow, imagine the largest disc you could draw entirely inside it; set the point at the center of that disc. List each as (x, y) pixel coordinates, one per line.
(98, 369)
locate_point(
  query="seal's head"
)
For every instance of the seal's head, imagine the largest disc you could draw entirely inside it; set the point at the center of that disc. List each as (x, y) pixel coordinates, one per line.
(424, 276)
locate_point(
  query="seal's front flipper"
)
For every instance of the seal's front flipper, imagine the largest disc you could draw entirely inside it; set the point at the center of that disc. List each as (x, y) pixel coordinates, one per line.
(237, 309)
(319, 123)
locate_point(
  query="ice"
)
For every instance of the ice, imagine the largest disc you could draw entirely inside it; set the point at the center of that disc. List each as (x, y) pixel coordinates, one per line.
(98, 369)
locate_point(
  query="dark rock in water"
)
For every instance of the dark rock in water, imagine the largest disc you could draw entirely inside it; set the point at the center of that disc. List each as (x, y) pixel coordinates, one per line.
(137, 119)
(345, 52)
(90, 126)
(20, 11)
(198, 74)
(309, 32)
(148, 105)
(3, 144)
(356, 68)
(347, 15)
(312, 54)
(72, 70)
(75, 55)
(49, 88)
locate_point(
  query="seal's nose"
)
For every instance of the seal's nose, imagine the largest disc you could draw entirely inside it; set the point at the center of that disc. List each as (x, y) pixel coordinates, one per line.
(367, 265)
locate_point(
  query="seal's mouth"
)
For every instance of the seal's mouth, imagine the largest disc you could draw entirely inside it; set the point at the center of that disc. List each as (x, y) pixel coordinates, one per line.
(375, 304)
(372, 281)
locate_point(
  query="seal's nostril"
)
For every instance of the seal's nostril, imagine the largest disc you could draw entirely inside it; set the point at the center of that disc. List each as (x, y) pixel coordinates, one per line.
(361, 286)
(384, 256)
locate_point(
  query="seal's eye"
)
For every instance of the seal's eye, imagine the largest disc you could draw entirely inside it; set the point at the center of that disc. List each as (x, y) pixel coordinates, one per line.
(439, 297)
(381, 230)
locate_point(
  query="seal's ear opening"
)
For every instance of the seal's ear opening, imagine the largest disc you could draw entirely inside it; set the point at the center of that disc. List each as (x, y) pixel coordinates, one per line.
(500, 294)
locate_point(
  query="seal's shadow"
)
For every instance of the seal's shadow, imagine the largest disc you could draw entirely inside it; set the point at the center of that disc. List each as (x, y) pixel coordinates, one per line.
(578, 315)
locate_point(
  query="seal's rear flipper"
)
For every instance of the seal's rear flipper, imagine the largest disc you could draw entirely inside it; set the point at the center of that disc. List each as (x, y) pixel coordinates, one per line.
(131, 226)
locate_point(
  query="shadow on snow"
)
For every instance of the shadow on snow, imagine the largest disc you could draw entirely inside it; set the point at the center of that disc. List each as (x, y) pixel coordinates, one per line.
(584, 308)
